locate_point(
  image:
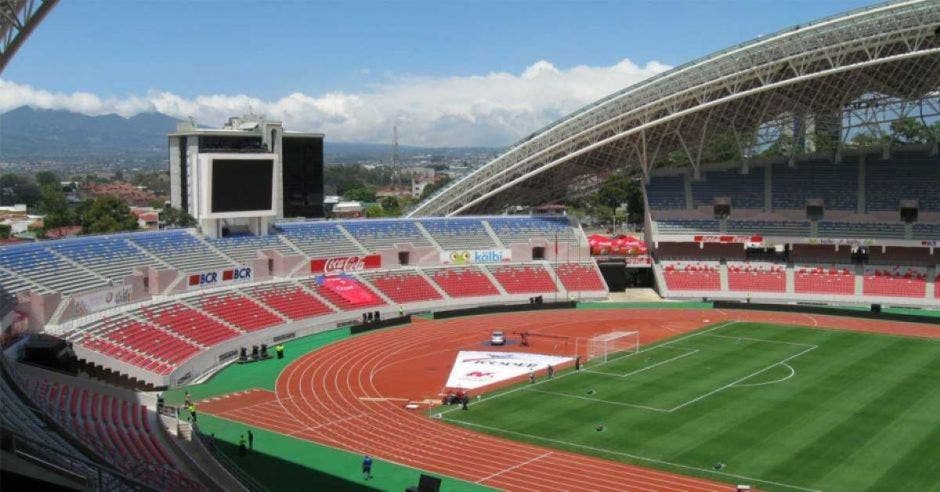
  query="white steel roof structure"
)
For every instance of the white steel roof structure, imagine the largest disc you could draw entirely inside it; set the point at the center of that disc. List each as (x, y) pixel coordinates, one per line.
(833, 78)
(18, 19)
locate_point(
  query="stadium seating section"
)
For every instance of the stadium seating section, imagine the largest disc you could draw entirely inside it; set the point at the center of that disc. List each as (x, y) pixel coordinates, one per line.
(458, 233)
(756, 277)
(239, 311)
(188, 323)
(119, 430)
(522, 229)
(824, 279)
(245, 248)
(744, 190)
(182, 250)
(666, 192)
(577, 277)
(319, 239)
(404, 287)
(463, 282)
(836, 184)
(691, 275)
(376, 235)
(895, 281)
(292, 301)
(526, 279)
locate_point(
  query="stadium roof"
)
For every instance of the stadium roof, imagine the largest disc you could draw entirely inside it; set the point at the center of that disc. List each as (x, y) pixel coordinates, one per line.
(838, 76)
(18, 19)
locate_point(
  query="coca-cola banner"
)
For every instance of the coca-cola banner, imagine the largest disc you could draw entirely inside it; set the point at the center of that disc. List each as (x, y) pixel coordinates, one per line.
(718, 238)
(341, 264)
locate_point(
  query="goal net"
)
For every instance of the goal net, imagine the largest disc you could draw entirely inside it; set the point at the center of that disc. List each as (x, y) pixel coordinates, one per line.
(611, 345)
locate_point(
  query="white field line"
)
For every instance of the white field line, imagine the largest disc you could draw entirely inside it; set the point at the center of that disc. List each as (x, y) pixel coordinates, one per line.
(636, 457)
(745, 378)
(688, 353)
(623, 404)
(788, 366)
(511, 468)
(762, 340)
(522, 387)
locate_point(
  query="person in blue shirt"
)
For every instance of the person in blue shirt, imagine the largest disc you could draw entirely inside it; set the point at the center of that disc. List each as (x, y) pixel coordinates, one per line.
(367, 467)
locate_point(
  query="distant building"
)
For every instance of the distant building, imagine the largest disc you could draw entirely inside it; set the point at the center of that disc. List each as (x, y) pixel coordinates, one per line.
(19, 220)
(135, 196)
(242, 177)
(148, 218)
(421, 177)
(348, 210)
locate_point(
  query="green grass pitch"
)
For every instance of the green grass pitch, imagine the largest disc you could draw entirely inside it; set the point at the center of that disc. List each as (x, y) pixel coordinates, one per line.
(779, 408)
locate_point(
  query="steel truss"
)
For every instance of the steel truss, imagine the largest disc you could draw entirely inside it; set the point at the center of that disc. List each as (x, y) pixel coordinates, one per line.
(839, 76)
(18, 19)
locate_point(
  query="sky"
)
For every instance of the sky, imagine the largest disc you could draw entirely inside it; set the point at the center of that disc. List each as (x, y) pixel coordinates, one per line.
(466, 73)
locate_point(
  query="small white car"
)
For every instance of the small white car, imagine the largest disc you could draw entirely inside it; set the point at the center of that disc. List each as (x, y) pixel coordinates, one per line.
(498, 338)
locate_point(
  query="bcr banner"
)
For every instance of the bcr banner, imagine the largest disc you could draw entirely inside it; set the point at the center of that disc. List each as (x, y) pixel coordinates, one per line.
(474, 369)
(215, 279)
(102, 299)
(340, 264)
(472, 256)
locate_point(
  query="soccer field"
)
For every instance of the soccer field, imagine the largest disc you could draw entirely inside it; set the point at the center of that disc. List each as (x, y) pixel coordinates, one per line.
(779, 408)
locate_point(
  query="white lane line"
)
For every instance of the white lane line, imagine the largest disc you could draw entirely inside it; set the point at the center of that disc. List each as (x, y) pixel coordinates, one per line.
(511, 468)
(788, 366)
(634, 456)
(745, 378)
(647, 367)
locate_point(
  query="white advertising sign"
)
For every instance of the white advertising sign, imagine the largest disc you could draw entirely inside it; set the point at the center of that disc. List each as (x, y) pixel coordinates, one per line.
(101, 299)
(477, 369)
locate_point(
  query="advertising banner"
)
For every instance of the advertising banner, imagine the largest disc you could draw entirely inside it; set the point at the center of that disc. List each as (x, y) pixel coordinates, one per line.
(475, 256)
(720, 238)
(474, 369)
(349, 289)
(219, 278)
(340, 264)
(100, 300)
(616, 246)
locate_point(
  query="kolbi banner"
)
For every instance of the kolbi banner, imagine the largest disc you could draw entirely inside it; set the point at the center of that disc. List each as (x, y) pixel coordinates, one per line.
(474, 369)
(475, 256)
(340, 264)
(102, 299)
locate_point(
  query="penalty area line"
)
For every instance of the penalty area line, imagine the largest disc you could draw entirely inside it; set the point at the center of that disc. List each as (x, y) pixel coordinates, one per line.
(633, 456)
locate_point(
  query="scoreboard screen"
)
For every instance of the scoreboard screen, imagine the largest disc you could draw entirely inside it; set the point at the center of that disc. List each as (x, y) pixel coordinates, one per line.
(242, 185)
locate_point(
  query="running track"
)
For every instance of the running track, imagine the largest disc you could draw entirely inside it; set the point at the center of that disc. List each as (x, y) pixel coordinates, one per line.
(351, 395)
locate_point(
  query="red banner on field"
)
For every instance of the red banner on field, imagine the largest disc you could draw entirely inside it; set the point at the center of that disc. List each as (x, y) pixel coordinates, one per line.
(728, 239)
(342, 264)
(350, 290)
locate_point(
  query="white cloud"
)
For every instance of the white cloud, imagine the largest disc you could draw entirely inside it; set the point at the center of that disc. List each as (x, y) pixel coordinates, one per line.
(490, 110)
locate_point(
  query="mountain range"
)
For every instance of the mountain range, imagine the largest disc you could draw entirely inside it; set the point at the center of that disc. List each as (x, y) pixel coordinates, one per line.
(29, 133)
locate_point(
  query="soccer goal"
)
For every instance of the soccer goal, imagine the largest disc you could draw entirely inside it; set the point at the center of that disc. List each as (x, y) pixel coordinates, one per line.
(609, 346)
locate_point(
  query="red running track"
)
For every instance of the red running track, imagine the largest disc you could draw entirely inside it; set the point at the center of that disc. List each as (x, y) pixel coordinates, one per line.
(351, 395)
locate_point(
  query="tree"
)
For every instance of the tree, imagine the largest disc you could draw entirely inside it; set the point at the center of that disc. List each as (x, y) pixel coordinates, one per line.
(374, 211)
(390, 206)
(5, 231)
(46, 178)
(106, 214)
(55, 206)
(15, 189)
(910, 131)
(363, 194)
(430, 188)
(175, 217)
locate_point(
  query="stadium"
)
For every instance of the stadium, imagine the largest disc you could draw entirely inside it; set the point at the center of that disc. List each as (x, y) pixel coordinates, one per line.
(791, 226)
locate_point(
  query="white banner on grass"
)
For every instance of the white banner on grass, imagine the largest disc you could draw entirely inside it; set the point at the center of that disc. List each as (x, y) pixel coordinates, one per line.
(477, 369)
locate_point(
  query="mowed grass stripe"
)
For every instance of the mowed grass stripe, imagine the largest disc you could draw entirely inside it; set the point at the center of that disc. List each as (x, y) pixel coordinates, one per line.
(748, 422)
(860, 412)
(874, 406)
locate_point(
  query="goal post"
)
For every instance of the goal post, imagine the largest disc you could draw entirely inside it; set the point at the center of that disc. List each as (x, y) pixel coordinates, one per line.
(609, 346)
